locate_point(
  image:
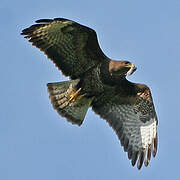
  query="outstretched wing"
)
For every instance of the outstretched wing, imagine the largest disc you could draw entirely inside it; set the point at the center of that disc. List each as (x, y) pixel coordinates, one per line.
(72, 47)
(134, 120)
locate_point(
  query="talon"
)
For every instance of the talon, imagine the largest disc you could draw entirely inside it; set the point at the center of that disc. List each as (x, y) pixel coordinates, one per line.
(79, 97)
(75, 96)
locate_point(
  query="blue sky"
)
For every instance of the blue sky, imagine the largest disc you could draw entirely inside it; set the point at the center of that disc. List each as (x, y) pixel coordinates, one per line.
(38, 144)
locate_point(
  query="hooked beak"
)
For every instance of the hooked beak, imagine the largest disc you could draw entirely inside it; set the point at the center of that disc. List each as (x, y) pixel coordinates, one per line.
(131, 70)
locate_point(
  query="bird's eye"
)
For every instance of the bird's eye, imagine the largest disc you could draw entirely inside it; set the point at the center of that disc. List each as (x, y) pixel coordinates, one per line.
(126, 62)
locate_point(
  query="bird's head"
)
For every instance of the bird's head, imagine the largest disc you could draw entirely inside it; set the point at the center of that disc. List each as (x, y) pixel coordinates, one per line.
(121, 68)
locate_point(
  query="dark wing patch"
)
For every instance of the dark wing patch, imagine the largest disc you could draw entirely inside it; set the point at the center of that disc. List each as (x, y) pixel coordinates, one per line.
(134, 121)
(72, 47)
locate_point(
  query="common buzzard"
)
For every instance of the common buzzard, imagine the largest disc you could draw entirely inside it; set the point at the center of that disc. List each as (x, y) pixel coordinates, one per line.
(97, 82)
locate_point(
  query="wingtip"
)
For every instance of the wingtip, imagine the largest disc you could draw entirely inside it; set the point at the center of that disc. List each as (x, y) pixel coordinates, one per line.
(51, 20)
(44, 20)
(134, 157)
(155, 142)
(23, 32)
(148, 156)
(141, 160)
(146, 163)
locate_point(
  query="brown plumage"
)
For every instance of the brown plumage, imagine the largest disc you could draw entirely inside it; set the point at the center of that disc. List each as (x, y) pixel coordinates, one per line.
(99, 82)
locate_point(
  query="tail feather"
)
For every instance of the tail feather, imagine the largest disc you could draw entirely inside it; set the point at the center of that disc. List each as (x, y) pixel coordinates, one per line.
(60, 94)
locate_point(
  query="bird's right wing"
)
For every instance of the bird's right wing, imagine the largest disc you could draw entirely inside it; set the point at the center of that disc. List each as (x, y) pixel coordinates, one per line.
(72, 47)
(134, 121)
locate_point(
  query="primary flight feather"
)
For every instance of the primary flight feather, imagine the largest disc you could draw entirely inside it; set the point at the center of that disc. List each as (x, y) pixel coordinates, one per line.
(98, 82)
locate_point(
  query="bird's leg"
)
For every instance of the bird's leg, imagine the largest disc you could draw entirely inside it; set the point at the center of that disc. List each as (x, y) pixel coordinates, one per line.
(74, 96)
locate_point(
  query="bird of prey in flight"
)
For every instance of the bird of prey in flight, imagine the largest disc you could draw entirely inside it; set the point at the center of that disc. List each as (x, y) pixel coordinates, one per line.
(99, 82)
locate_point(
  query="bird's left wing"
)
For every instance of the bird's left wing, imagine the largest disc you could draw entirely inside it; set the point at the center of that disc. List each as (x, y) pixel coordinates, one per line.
(135, 122)
(73, 48)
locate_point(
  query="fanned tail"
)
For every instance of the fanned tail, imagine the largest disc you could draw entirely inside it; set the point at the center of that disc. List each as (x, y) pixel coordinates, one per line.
(61, 98)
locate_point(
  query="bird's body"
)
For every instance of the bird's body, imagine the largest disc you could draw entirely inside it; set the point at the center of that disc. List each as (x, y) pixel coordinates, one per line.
(98, 82)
